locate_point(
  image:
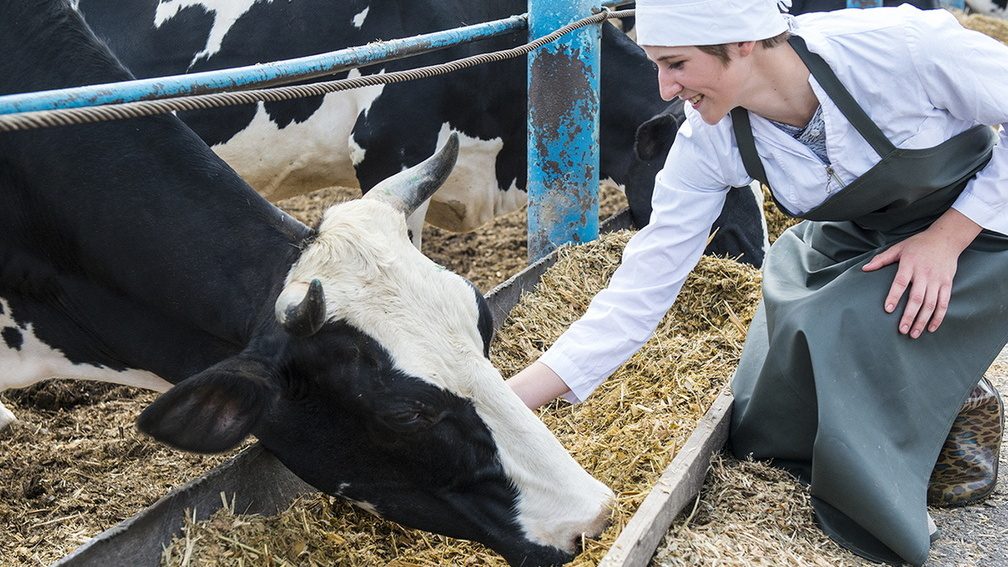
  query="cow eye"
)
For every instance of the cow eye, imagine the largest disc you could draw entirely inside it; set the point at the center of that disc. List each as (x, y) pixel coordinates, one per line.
(411, 418)
(407, 420)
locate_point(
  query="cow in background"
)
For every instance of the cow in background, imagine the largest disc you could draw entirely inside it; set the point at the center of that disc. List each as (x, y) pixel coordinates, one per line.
(806, 6)
(356, 138)
(131, 253)
(995, 8)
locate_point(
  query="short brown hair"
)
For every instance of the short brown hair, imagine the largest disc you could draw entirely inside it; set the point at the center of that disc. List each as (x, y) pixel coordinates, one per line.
(721, 50)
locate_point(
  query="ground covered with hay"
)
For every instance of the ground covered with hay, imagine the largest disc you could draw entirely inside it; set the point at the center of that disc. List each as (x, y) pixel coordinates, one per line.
(625, 434)
(74, 464)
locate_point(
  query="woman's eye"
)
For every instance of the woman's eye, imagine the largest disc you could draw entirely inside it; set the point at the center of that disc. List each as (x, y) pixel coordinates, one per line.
(678, 65)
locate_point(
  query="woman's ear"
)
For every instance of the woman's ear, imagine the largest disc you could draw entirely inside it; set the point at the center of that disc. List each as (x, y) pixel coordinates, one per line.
(745, 48)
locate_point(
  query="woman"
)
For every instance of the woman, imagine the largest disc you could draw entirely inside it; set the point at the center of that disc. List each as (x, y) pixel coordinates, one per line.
(881, 311)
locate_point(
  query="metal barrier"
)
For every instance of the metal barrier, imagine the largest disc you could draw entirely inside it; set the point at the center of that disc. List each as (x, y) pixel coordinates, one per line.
(563, 81)
(563, 124)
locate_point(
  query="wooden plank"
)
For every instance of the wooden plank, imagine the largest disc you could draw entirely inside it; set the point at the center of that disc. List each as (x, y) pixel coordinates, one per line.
(679, 484)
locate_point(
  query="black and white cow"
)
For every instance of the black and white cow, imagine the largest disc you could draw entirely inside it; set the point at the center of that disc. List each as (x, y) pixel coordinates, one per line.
(996, 8)
(805, 6)
(359, 137)
(131, 253)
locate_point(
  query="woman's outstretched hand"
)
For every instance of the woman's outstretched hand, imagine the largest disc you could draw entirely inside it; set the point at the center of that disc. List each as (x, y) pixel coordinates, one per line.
(927, 266)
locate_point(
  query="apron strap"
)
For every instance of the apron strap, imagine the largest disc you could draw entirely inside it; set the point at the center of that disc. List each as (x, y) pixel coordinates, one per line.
(746, 145)
(842, 98)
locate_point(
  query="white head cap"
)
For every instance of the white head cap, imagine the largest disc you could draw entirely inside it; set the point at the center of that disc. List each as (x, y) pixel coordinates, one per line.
(707, 22)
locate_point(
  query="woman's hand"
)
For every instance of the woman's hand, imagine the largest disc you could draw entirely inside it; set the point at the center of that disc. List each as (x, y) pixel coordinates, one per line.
(927, 265)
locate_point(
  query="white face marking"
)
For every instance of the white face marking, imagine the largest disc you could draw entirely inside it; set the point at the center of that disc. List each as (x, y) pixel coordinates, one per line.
(371, 275)
(301, 157)
(470, 196)
(35, 361)
(358, 20)
(225, 13)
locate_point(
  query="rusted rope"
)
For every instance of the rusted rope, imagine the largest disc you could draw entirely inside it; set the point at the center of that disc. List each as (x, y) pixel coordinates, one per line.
(67, 116)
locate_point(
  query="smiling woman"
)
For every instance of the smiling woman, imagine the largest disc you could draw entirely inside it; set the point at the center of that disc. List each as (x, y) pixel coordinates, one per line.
(880, 311)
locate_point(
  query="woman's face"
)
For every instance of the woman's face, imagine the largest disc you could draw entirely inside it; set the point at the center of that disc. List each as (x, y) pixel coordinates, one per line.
(698, 78)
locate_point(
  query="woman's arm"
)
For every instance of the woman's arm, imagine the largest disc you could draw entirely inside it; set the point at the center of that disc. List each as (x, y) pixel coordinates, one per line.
(927, 265)
(537, 385)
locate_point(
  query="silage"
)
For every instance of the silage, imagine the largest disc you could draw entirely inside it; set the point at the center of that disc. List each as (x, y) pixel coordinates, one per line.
(70, 472)
(625, 434)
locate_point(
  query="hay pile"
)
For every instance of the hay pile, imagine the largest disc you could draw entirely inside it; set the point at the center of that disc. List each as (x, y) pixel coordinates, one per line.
(625, 434)
(751, 514)
(67, 469)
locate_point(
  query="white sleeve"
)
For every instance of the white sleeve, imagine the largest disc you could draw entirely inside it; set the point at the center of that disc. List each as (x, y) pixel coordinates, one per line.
(688, 196)
(966, 73)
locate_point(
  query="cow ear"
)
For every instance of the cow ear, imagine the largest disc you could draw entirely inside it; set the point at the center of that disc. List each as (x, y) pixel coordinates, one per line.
(212, 411)
(655, 136)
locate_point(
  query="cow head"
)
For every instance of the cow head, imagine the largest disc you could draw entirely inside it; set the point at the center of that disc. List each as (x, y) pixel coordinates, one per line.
(373, 383)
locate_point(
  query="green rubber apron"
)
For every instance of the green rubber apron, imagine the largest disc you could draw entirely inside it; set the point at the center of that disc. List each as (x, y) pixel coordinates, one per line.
(826, 387)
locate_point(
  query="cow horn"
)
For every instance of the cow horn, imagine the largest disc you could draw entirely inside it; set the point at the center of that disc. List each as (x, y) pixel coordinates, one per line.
(409, 188)
(306, 318)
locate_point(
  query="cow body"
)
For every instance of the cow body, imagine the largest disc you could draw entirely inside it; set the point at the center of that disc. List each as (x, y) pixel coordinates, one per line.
(359, 137)
(131, 253)
(996, 8)
(806, 6)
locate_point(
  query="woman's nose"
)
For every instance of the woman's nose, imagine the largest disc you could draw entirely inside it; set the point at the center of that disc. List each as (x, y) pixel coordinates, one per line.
(668, 87)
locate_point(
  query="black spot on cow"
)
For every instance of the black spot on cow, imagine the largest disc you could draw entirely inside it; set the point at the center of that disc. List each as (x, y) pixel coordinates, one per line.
(805, 6)
(12, 337)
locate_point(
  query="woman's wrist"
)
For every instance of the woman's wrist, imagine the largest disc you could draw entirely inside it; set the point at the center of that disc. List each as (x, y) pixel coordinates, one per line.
(956, 228)
(537, 385)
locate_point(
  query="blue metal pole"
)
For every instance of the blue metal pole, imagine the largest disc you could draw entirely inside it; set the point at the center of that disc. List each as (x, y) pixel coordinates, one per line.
(257, 76)
(864, 3)
(563, 108)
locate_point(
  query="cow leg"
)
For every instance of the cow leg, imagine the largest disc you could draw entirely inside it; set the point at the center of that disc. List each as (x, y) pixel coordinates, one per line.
(6, 417)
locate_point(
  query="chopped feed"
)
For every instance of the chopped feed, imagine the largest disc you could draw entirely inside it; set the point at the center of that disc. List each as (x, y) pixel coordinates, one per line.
(625, 434)
(750, 514)
(71, 471)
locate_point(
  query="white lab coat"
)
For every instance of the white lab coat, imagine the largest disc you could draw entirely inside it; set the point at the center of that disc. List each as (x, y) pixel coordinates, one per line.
(920, 76)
